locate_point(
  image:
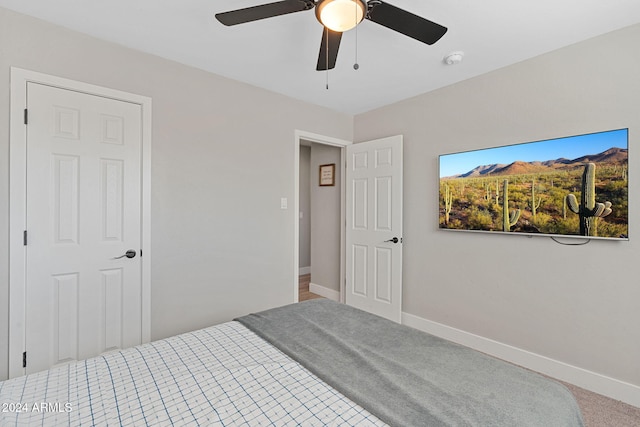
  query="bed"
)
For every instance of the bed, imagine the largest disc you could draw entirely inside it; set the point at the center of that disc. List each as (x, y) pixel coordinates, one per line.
(316, 363)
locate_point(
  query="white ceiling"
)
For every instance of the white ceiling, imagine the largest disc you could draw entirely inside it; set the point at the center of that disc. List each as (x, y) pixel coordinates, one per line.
(280, 53)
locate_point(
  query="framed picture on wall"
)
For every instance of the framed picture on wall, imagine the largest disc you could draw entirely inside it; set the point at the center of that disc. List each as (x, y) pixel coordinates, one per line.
(327, 175)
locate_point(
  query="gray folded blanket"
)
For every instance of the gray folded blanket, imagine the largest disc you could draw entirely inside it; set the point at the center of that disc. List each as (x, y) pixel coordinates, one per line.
(409, 378)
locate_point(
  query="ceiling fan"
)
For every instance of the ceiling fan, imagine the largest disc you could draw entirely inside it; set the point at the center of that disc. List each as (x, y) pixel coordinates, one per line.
(338, 16)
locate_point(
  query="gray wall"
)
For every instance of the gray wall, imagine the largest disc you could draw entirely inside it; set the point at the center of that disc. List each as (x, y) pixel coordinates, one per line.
(304, 200)
(325, 219)
(222, 157)
(575, 304)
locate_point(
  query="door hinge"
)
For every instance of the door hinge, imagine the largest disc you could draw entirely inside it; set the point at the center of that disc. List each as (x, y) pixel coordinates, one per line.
(24, 359)
(24, 238)
(26, 116)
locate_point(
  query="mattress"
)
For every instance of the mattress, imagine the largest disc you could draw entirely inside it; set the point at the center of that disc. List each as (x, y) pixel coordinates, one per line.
(224, 375)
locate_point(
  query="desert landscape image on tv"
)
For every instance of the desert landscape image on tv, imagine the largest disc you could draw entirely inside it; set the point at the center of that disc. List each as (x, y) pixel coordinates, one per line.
(573, 186)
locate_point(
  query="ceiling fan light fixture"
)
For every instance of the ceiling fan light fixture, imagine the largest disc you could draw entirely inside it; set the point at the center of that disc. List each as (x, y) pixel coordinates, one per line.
(340, 15)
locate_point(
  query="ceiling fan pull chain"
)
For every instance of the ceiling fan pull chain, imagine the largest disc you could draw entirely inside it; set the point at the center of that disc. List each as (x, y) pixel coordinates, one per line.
(355, 64)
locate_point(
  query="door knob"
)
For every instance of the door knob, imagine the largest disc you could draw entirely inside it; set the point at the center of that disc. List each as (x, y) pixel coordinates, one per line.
(129, 254)
(394, 240)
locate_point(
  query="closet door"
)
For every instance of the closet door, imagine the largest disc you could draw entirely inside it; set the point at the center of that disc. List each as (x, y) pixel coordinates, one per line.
(83, 221)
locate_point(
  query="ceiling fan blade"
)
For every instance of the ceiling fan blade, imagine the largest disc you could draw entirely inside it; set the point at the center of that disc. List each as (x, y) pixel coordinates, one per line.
(328, 49)
(263, 11)
(406, 23)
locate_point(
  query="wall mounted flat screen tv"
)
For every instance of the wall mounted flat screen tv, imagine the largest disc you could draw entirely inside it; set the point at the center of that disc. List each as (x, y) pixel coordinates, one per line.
(574, 186)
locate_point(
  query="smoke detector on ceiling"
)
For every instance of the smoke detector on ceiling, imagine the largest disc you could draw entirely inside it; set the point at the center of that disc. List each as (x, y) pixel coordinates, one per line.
(453, 58)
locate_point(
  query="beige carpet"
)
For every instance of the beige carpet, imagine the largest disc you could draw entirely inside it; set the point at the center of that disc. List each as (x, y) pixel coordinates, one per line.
(601, 411)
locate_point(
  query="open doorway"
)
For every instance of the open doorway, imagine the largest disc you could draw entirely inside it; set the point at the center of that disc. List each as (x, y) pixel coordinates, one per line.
(371, 191)
(319, 227)
(319, 221)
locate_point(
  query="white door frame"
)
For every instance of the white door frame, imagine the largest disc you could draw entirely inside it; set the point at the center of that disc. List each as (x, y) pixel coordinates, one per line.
(326, 140)
(17, 201)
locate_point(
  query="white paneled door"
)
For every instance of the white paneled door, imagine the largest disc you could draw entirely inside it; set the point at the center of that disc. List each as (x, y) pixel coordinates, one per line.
(83, 212)
(374, 227)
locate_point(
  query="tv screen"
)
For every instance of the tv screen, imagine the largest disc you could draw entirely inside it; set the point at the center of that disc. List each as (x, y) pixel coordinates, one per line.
(574, 186)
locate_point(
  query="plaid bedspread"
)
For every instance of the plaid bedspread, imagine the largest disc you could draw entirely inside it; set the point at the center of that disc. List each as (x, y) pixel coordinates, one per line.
(219, 376)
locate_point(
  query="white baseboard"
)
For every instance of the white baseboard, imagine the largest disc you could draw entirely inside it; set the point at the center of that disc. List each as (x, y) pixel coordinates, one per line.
(601, 384)
(324, 292)
(304, 270)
